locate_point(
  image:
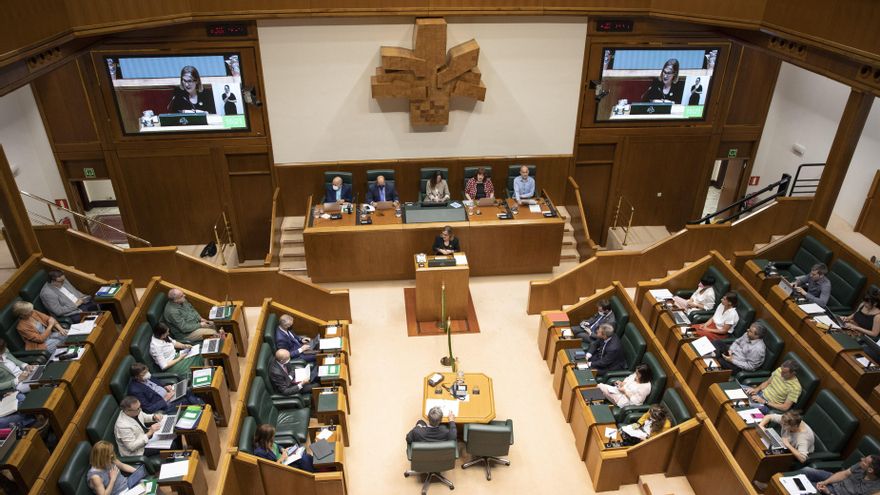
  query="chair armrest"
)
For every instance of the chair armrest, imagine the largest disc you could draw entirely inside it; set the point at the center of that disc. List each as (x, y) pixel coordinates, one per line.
(409, 451)
(285, 402)
(464, 436)
(822, 456)
(755, 379)
(683, 293)
(783, 264)
(701, 316)
(613, 375)
(152, 465)
(32, 357)
(750, 375)
(830, 466)
(626, 412)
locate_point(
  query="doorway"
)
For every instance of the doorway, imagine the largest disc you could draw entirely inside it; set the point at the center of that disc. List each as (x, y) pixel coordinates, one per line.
(97, 201)
(725, 184)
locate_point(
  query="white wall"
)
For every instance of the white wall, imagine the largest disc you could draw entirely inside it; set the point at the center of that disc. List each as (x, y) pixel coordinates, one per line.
(99, 190)
(27, 149)
(317, 78)
(806, 109)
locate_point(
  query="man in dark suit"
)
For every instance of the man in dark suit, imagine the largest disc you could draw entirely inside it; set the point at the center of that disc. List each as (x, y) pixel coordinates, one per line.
(433, 431)
(338, 192)
(587, 329)
(607, 353)
(281, 374)
(154, 396)
(286, 338)
(380, 191)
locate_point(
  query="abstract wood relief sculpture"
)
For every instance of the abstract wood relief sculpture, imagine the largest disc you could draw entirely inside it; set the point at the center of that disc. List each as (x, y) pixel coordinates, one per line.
(427, 75)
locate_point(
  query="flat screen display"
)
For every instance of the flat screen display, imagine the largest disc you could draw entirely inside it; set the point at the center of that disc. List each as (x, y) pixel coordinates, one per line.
(178, 93)
(656, 83)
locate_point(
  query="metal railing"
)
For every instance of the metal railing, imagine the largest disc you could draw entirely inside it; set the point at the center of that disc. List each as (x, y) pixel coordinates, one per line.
(632, 212)
(52, 206)
(805, 185)
(748, 202)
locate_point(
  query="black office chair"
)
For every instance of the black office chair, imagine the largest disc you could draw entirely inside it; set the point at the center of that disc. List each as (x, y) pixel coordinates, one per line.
(432, 458)
(487, 443)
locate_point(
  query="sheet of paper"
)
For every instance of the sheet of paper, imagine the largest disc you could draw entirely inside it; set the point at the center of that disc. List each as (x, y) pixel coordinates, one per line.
(83, 328)
(863, 361)
(135, 490)
(330, 360)
(331, 343)
(446, 405)
(633, 430)
(736, 394)
(812, 309)
(535, 208)
(610, 432)
(788, 482)
(194, 350)
(825, 320)
(161, 442)
(202, 377)
(703, 346)
(331, 330)
(63, 350)
(324, 434)
(294, 456)
(328, 370)
(302, 374)
(173, 470)
(567, 333)
(8, 405)
(583, 366)
(460, 259)
(455, 204)
(661, 294)
(751, 416)
(710, 363)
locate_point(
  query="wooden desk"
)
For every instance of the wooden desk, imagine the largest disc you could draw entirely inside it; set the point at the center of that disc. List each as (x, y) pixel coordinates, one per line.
(609, 467)
(336, 460)
(121, 304)
(584, 417)
(194, 482)
(204, 437)
(670, 334)
(330, 409)
(339, 380)
(860, 378)
(216, 394)
(479, 409)
(341, 251)
(236, 325)
(755, 276)
(56, 403)
(79, 375)
(774, 487)
(101, 338)
(557, 344)
(549, 321)
(575, 381)
(226, 358)
(694, 370)
(716, 398)
(755, 462)
(874, 399)
(429, 283)
(26, 459)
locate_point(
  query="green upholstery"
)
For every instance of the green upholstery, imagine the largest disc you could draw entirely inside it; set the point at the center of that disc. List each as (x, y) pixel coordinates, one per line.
(100, 427)
(774, 346)
(868, 445)
(426, 173)
(513, 173)
(678, 411)
(658, 385)
(833, 425)
(269, 329)
(246, 436)
(30, 291)
(721, 287)
(634, 346)
(746, 313)
(140, 351)
(493, 439)
(156, 309)
(264, 359)
(846, 286)
(9, 332)
(432, 457)
(72, 480)
(807, 378)
(345, 176)
(289, 424)
(810, 252)
(621, 316)
(120, 378)
(385, 172)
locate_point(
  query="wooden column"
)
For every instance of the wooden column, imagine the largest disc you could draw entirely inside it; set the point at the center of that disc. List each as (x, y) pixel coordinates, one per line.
(849, 130)
(19, 233)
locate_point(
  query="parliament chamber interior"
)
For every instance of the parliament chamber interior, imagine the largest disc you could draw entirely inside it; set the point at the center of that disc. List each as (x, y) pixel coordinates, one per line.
(566, 246)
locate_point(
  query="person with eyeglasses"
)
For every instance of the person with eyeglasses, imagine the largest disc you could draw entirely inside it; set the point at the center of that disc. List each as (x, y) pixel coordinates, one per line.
(668, 87)
(191, 96)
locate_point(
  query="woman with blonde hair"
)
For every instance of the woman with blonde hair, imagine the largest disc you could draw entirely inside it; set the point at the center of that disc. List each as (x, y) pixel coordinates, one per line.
(104, 476)
(39, 331)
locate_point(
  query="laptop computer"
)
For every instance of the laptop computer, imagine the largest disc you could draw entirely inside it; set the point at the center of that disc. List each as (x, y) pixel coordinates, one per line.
(136, 477)
(430, 204)
(681, 318)
(870, 344)
(332, 207)
(182, 119)
(168, 423)
(771, 439)
(179, 390)
(36, 374)
(485, 202)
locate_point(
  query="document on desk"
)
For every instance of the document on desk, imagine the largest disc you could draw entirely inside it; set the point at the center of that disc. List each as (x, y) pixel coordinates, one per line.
(8, 405)
(825, 320)
(790, 483)
(703, 346)
(736, 394)
(330, 344)
(83, 328)
(812, 309)
(293, 455)
(328, 370)
(710, 363)
(160, 442)
(173, 470)
(633, 430)
(202, 377)
(863, 361)
(302, 374)
(69, 349)
(324, 434)
(535, 208)
(194, 350)
(460, 259)
(751, 416)
(661, 294)
(331, 330)
(448, 406)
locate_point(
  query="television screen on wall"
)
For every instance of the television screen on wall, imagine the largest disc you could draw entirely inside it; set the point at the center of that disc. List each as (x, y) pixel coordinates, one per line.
(178, 93)
(655, 83)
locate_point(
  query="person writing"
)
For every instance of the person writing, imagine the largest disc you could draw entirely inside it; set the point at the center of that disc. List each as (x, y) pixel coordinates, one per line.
(667, 88)
(191, 96)
(433, 431)
(781, 391)
(382, 191)
(479, 186)
(39, 331)
(338, 192)
(723, 321)
(745, 353)
(266, 448)
(814, 286)
(655, 421)
(163, 350)
(436, 189)
(702, 299)
(632, 391)
(106, 473)
(446, 243)
(523, 185)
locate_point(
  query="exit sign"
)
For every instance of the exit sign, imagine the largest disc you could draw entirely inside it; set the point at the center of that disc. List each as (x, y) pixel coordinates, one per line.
(89, 173)
(731, 153)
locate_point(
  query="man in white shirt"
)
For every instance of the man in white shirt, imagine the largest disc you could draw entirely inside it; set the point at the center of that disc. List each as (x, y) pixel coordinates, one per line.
(62, 299)
(131, 430)
(523, 185)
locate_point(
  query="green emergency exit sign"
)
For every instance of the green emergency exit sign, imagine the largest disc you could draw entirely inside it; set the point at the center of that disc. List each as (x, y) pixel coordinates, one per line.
(89, 173)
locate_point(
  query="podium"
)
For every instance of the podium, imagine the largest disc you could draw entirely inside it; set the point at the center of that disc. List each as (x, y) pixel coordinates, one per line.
(429, 281)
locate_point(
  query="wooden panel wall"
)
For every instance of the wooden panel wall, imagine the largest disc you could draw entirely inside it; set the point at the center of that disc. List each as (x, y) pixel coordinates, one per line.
(869, 219)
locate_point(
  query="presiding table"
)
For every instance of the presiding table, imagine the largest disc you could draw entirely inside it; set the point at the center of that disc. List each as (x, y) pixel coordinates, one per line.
(479, 408)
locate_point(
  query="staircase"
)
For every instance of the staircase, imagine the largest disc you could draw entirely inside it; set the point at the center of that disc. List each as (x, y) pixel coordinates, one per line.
(292, 255)
(639, 237)
(569, 243)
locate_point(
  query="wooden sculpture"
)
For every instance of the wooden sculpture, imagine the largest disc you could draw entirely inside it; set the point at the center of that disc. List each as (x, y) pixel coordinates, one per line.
(427, 76)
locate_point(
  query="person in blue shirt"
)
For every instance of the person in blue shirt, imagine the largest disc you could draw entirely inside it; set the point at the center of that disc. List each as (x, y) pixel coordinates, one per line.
(266, 448)
(523, 186)
(286, 338)
(338, 192)
(153, 396)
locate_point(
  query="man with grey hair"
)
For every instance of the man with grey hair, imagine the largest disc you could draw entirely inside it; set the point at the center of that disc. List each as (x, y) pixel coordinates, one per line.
(814, 286)
(185, 322)
(282, 374)
(433, 430)
(607, 353)
(286, 338)
(745, 353)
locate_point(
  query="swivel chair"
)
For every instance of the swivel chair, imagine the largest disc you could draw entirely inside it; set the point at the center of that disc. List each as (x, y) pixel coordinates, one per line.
(487, 443)
(432, 458)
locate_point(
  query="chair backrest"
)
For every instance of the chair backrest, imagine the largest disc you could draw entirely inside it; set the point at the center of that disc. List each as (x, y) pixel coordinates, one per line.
(140, 347)
(868, 445)
(269, 329)
(774, 346)
(103, 420)
(30, 291)
(513, 173)
(246, 436)
(156, 309)
(345, 176)
(491, 439)
(722, 285)
(810, 252)
(807, 378)
(658, 382)
(72, 480)
(621, 316)
(846, 285)
(678, 412)
(120, 378)
(259, 404)
(428, 172)
(634, 346)
(433, 457)
(385, 172)
(8, 324)
(831, 421)
(746, 314)
(264, 358)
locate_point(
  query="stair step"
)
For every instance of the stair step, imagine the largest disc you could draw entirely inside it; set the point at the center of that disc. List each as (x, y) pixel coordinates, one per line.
(568, 227)
(569, 240)
(292, 223)
(293, 265)
(292, 237)
(659, 484)
(569, 253)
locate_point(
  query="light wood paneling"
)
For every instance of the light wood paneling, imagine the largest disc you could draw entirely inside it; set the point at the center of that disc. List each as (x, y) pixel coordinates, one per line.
(64, 103)
(869, 219)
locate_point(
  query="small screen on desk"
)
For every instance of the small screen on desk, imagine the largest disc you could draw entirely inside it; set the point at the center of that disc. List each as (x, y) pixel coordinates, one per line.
(178, 93)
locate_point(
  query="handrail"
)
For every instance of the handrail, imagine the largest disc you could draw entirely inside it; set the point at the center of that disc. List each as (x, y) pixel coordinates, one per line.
(797, 179)
(632, 213)
(273, 228)
(591, 246)
(51, 205)
(781, 187)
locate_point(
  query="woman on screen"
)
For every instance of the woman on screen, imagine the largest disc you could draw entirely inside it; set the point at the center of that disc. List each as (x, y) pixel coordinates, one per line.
(191, 97)
(696, 92)
(229, 101)
(667, 88)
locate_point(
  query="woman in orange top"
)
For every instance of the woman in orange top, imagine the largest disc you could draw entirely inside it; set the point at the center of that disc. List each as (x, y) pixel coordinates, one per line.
(39, 331)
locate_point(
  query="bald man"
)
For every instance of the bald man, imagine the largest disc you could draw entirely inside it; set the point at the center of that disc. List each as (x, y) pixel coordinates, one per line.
(184, 320)
(281, 374)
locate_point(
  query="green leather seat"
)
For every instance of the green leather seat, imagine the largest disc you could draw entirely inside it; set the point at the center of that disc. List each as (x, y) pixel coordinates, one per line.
(774, 346)
(634, 346)
(658, 385)
(746, 313)
(120, 378)
(721, 287)
(807, 378)
(264, 359)
(140, 351)
(678, 411)
(868, 445)
(621, 319)
(14, 342)
(156, 309)
(345, 176)
(513, 173)
(833, 424)
(72, 480)
(432, 458)
(30, 291)
(487, 443)
(810, 252)
(246, 436)
(100, 427)
(385, 172)
(426, 173)
(269, 329)
(846, 286)
(289, 423)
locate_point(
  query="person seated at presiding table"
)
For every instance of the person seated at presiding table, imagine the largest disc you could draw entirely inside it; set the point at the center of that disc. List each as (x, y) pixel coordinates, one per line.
(523, 185)
(814, 286)
(39, 331)
(131, 430)
(338, 192)
(436, 189)
(702, 299)
(587, 328)
(446, 243)
(184, 320)
(265, 447)
(107, 474)
(153, 396)
(606, 354)
(723, 321)
(866, 320)
(745, 353)
(281, 374)
(654, 421)
(780, 391)
(632, 391)
(286, 338)
(13, 376)
(433, 430)
(479, 186)
(380, 191)
(164, 351)
(862, 478)
(62, 299)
